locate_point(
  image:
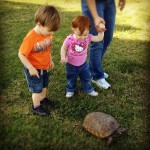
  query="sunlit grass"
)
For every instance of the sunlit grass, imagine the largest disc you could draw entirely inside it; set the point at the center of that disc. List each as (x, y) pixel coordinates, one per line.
(63, 4)
(136, 26)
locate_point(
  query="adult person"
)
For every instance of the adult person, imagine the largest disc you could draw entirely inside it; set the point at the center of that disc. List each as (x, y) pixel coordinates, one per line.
(100, 11)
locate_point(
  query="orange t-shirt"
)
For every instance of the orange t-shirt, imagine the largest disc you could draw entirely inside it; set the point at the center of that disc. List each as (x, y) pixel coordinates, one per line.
(37, 49)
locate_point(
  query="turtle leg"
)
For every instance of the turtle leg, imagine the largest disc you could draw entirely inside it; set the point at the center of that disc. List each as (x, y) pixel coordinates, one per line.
(109, 140)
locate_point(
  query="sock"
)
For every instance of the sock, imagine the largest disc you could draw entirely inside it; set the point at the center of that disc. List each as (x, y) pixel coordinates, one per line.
(42, 99)
(36, 106)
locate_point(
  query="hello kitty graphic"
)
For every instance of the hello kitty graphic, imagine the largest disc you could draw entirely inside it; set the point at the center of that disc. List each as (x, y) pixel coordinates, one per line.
(78, 48)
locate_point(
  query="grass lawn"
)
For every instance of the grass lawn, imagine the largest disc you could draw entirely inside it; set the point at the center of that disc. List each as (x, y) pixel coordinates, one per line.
(127, 100)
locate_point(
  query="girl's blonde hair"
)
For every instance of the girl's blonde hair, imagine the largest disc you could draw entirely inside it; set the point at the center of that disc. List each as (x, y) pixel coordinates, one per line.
(48, 16)
(81, 22)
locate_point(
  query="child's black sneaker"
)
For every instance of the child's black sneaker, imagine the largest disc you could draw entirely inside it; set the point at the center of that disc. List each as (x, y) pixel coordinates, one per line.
(46, 101)
(40, 111)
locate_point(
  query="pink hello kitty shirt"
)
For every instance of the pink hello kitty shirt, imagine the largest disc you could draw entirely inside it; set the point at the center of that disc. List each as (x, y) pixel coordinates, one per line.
(77, 49)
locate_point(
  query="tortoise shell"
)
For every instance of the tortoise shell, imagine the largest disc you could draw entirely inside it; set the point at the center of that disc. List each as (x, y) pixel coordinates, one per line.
(100, 124)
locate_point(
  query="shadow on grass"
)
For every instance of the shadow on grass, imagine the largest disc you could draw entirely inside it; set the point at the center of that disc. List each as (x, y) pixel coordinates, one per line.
(125, 27)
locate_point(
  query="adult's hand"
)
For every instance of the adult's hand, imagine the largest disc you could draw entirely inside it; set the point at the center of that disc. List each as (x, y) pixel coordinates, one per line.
(121, 4)
(98, 21)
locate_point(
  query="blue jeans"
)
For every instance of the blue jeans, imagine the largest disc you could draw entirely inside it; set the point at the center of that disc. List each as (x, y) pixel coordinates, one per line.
(36, 84)
(106, 10)
(73, 72)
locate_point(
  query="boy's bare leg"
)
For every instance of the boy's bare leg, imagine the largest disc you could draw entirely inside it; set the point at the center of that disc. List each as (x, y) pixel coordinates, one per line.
(44, 99)
(36, 97)
(37, 108)
(43, 93)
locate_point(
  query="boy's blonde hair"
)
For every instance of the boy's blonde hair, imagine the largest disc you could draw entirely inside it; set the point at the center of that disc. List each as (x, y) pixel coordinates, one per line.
(81, 22)
(48, 16)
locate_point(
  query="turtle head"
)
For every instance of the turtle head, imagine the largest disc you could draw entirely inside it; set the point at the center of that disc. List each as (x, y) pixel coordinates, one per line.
(120, 130)
(116, 134)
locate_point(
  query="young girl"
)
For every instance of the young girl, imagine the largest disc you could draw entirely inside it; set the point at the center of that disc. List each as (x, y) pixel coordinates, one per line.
(74, 54)
(35, 54)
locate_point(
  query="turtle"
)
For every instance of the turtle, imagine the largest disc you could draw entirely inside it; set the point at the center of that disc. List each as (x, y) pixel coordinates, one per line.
(103, 126)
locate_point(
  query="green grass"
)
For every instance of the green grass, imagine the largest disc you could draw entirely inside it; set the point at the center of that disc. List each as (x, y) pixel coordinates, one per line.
(126, 62)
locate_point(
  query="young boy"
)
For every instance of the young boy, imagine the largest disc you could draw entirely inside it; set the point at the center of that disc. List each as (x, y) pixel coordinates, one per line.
(35, 54)
(74, 52)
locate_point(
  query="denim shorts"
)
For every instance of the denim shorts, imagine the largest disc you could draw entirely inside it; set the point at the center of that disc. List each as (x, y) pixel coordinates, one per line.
(36, 84)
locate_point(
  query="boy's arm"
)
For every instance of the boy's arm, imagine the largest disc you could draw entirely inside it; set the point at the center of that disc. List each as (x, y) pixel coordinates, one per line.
(28, 65)
(51, 61)
(63, 54)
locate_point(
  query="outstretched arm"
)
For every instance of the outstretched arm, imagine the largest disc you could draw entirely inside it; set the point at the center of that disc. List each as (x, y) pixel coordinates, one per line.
(100, 35)
(98, 38)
